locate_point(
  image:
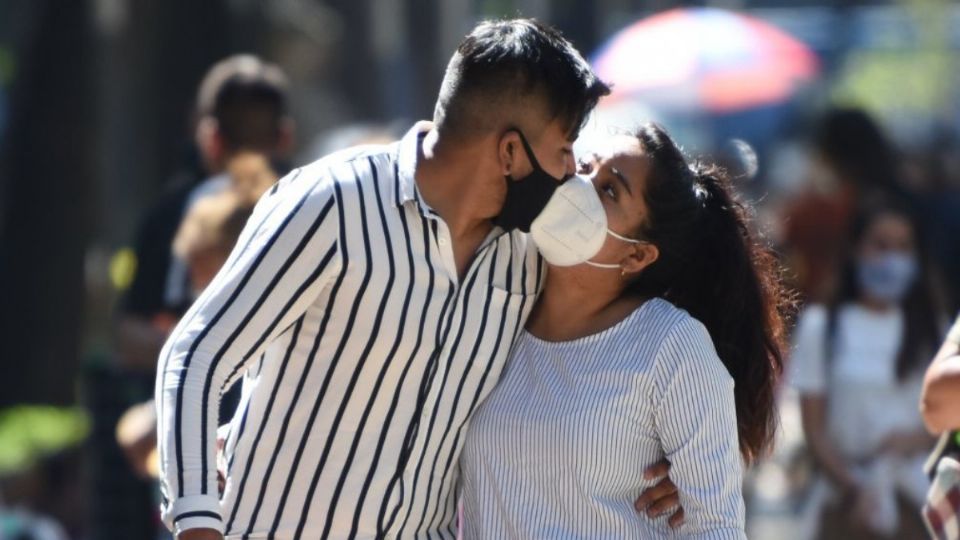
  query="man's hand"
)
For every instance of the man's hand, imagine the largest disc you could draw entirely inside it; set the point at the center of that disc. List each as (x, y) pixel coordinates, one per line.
(663, 496)
(200, 534)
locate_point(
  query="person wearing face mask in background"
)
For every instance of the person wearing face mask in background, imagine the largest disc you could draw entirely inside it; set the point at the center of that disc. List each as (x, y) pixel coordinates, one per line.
(858, 367)
(658, 335)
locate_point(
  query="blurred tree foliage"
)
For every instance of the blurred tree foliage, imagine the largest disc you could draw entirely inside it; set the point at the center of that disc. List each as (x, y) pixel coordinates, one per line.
(29, 433)
(904, 80)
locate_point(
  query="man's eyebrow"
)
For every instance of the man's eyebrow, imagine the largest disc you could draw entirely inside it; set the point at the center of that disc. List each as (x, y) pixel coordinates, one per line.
(623, 180)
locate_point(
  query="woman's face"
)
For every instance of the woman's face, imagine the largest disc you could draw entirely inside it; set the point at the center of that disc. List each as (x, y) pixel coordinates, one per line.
(888, 233)
(619, 174)
(886, 264)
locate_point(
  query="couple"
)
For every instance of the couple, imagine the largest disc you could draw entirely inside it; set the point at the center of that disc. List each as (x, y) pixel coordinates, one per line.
(405, 346)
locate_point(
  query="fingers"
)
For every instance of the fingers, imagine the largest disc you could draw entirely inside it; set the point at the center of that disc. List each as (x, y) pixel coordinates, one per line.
(657, 470)
(662, 505)
(653, 494)
(676, 520)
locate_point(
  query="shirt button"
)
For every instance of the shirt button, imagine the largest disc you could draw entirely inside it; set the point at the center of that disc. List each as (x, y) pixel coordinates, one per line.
(442, 241)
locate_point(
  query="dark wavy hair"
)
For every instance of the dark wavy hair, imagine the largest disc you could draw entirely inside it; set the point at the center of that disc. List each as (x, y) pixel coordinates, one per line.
(712, 265)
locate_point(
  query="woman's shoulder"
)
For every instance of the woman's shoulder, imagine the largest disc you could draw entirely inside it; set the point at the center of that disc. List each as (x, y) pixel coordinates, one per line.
(675, 330)
(685, 346)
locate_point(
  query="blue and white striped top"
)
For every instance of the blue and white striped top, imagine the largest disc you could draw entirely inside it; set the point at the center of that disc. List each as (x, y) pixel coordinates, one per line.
(559, 447)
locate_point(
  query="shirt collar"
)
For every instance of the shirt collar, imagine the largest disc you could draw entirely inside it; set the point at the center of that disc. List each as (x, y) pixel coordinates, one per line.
(407, 152)
(405, 188)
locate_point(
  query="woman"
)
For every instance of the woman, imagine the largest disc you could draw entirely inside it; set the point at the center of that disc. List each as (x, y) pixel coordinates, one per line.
(662, 339)
(858, 367)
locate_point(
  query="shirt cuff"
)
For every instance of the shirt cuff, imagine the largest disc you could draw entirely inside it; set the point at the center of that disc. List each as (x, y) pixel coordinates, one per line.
(954, 335)
(194, 512)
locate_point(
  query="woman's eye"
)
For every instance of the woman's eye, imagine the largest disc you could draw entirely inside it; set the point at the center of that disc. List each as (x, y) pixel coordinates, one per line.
(608, 190)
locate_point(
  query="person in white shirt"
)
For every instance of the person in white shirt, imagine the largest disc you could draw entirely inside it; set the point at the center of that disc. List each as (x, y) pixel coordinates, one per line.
(858, 367)
(658, 335)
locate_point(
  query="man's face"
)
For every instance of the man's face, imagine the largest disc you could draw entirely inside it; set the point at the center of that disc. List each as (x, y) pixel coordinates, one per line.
(553, 149)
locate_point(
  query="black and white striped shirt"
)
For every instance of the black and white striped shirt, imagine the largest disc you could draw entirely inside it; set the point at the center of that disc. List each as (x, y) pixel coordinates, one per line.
(559, 448)
(362, 353)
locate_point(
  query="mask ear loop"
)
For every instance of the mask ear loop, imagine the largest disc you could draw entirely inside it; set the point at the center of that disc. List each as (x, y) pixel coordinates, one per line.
(614, 266)
(528, 149)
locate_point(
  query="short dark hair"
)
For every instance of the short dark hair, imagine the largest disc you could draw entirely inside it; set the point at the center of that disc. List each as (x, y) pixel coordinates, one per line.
(504, 63)
(248, 98)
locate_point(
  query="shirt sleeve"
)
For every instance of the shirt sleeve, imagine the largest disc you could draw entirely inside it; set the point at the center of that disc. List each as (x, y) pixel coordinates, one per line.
(807, 362)
(696, 419)
(284, 257)
(953, 336)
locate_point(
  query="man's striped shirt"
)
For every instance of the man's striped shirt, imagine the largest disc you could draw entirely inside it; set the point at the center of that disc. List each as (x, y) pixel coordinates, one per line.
(362, 354)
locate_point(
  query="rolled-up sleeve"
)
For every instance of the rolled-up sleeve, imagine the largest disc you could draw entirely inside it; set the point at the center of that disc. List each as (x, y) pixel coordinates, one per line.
(696, 420)
(285, 256)
(953, 336)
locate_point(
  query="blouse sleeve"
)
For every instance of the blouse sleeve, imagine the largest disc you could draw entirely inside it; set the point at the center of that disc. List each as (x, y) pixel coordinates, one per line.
(807, 362)
(696, 420)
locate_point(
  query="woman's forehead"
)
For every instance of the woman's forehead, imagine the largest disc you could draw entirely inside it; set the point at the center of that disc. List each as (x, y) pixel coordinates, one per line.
(624, 153)
(617, 146)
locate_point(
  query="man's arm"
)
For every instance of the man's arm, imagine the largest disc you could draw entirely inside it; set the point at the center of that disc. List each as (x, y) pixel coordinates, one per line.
(284, 257)
(940, 402)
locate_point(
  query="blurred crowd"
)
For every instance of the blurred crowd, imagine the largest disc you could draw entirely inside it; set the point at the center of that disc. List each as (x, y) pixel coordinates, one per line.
(867, 237)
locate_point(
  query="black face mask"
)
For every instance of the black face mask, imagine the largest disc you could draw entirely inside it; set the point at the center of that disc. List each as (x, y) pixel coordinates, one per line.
(527, 196)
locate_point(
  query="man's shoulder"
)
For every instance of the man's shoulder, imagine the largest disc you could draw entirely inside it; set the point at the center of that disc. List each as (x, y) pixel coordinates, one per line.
(345, 166)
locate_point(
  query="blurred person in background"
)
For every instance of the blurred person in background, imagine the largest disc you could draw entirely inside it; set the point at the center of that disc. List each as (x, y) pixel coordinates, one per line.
(935, 169)
(940, 406)
(241, 128)
(858, 367)
(854, 163)
(204, 240)
(241, 114)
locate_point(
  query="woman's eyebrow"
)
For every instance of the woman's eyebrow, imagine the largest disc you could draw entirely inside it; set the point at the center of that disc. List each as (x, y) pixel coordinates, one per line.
(623, 180)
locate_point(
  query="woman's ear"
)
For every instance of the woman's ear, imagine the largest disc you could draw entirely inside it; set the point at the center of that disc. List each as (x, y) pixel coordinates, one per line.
(640, 257)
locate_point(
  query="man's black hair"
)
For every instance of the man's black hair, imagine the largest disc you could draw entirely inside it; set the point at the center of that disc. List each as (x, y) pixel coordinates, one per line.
(502, 64)
(248, 98)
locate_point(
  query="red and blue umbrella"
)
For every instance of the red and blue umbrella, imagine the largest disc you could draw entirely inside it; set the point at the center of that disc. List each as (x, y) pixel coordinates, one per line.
(706, 59)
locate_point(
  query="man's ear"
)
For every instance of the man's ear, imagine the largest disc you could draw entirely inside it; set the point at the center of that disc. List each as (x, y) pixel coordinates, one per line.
(640, 257)
(513, 159)
(507, 151)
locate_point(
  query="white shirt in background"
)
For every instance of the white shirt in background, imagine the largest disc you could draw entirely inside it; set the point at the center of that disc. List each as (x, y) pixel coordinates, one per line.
(865, 400)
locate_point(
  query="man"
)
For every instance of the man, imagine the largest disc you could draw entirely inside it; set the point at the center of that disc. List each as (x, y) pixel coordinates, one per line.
(241, 107)
(371, 302)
